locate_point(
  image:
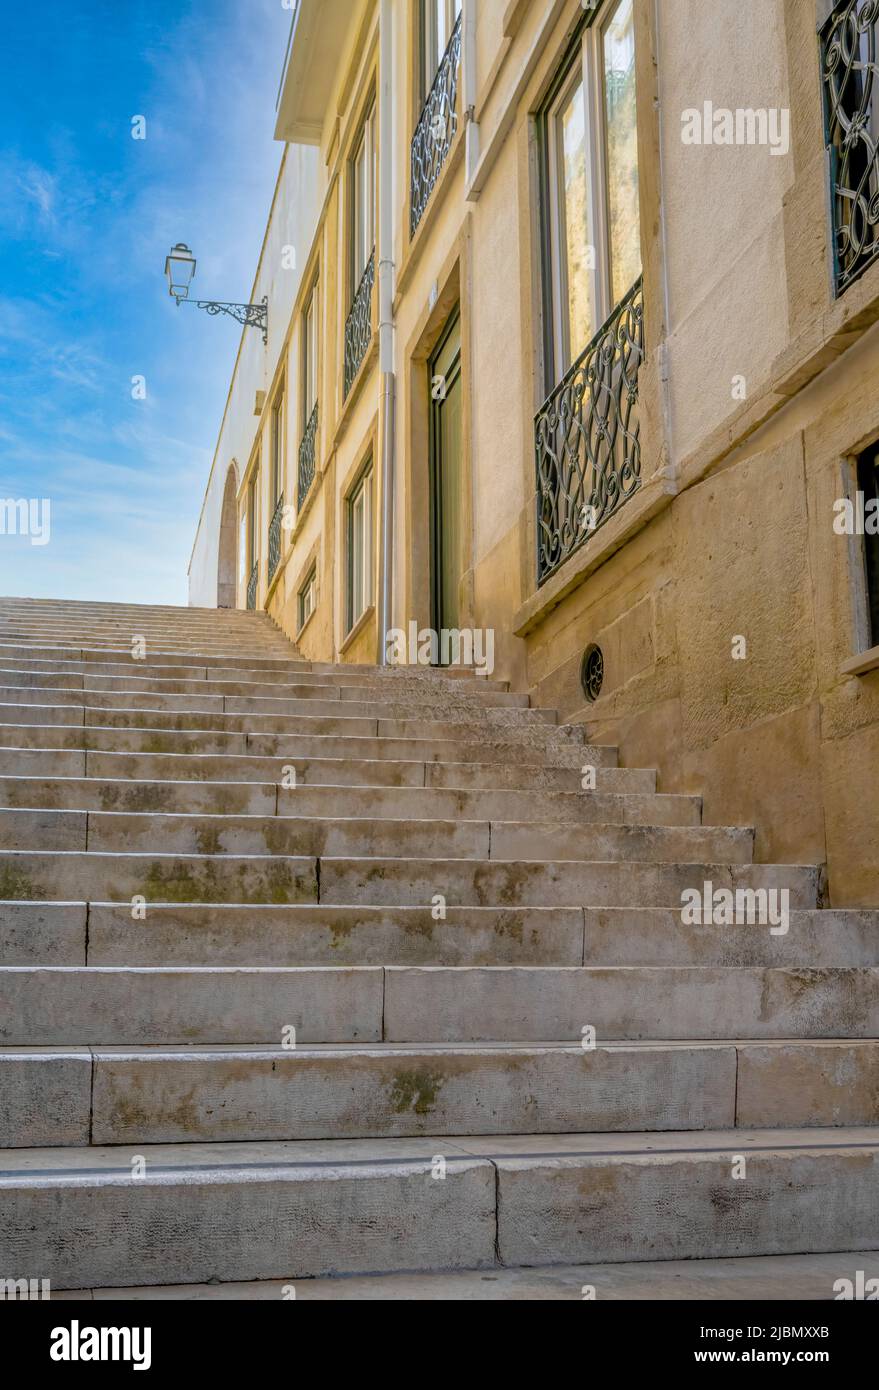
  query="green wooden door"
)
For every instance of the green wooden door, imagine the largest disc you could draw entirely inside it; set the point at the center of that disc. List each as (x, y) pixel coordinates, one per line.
(446, 490)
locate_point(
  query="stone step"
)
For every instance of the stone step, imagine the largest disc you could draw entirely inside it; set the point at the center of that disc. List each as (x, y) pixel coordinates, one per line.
(65, 876)
(259, 1210)
(127, 695)
(112, 1005)
(32, 655)
(324, 759)
(344, 766)
(251, 798)
(34, 876)
(293, 830)
(658, 936)
(550, 883)
(230, 1094)
(161, 1095)
(543, 737)
(135, 681)
(45, 933)
(762, 1278)
(298, 673)
(55, 933)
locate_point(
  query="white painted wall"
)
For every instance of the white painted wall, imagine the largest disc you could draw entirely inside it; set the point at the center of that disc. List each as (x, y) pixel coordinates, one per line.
(292, 223)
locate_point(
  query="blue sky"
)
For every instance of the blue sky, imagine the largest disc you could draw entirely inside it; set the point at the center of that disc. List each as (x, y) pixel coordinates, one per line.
(87, 215)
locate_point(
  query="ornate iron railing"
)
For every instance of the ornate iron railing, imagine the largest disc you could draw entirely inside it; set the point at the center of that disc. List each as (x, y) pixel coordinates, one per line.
(587, 437)
(307, 457)
(850, 74)
(358, 327)
(436, 129)
(252, 585)
(275, 537)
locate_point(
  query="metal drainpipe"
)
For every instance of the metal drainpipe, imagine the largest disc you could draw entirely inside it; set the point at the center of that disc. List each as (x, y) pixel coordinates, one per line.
(386, 325)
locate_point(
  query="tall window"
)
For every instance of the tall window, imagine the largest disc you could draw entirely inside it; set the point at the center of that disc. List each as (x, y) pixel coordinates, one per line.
(308, 598)
(359, 547)
(437, 22)
(363, 183)
(868, 484)
(850, 74)
(309, 355)
(277, 446)
(590, 179)
(251, 522)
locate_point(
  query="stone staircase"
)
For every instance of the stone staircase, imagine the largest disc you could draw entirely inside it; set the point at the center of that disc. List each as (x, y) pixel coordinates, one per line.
(433, 914)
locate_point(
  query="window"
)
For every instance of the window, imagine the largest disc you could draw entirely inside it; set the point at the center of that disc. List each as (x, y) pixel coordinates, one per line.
(851, 123)
(251, 522)
(592, 243)
(308, 597)
(277, 447)
(437, 22)
(868, 484)
(309, 355)
(359, 547)
(363, 181)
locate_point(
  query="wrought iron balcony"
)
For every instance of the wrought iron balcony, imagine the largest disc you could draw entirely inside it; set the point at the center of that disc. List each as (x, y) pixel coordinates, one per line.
(587, 437)
(358, 328)
(252, 586)
(275, 537)
(851, 90)
(436, 129)
(307, 457)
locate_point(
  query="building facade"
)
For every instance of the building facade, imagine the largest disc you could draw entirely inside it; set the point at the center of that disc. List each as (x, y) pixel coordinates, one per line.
(572, 339)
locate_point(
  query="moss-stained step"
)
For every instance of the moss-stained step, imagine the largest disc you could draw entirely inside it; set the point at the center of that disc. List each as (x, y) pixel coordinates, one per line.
(207, 1094)
(35, 876)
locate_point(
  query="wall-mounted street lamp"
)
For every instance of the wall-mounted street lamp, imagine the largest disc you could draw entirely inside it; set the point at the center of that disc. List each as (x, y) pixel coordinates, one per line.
(180, 268)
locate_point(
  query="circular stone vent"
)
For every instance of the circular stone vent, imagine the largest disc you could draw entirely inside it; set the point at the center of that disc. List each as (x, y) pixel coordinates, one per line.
(592, 672)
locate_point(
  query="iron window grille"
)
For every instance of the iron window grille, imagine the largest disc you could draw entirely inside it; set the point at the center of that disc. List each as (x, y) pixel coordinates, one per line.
(275, 537)
(587, 437)
(251, 587)
(436, 129)
(307, 457)
(851, 126)
(358, 327)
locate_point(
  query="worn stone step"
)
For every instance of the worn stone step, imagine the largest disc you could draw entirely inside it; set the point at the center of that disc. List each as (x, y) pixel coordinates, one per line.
(298, 673)
(97, 1004)
(251, 798)
(547, 1003)
(102, 712)
(199, 1094)
(242, 1211)
(313, 704)
(310, 1208)
(658, 936)
(549, 883)
(32, 875)
(30, 652)
(36, 875)
(54, 933)
(295, 830)
(45, 933)
(555, 769)
(112, 1095)
(425, 1004)
(397, 693)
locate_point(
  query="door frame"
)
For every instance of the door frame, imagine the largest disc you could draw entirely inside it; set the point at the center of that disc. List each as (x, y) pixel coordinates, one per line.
(451, 326)
(452, 287)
